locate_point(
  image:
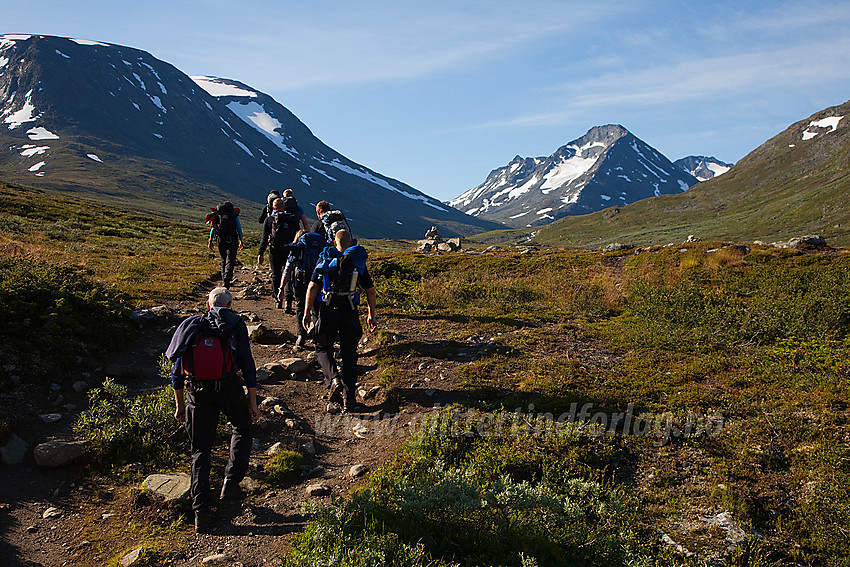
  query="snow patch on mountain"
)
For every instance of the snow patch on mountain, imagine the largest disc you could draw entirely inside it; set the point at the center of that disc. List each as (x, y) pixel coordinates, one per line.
(25, 114)
(380, 182)
(830, 123)
(255, 114)
(217, 88)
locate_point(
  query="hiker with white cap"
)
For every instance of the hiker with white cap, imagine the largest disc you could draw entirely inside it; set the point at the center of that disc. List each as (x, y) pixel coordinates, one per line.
(208, 351)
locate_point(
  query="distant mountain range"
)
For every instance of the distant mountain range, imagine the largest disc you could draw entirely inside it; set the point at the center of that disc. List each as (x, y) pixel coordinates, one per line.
(607, 166)
(117, 124)
(796, 183)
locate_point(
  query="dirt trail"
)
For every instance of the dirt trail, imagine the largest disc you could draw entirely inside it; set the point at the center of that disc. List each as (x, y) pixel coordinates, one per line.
(95, 514)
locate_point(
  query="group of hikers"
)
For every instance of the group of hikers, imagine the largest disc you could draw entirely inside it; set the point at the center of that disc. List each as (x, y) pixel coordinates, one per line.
(318, 269)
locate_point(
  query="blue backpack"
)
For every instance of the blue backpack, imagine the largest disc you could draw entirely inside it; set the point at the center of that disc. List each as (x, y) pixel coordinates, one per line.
(309, 248)
(340, 271)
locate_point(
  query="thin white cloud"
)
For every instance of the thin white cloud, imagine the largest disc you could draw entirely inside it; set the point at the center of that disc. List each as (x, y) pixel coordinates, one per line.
(702, 79)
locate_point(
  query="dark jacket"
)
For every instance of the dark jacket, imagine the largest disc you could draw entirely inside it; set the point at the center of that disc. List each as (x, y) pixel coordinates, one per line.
(223, 318)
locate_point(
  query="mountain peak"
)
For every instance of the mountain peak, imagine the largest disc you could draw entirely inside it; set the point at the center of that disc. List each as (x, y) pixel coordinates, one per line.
(606, 166)
(116, 122)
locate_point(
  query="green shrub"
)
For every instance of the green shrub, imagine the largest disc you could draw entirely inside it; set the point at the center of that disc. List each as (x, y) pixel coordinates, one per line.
(282, 466)
(125, 429)
(46, 302)
(454, 500)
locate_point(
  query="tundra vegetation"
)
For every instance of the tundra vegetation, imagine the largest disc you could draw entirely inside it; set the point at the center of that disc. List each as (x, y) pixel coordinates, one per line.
(619, 406)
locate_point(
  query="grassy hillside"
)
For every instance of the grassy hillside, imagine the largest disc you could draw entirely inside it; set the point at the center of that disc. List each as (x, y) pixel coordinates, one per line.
(77, 269)
(785, 188)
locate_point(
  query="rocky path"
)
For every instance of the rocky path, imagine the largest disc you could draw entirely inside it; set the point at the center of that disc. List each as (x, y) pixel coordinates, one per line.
(59, 516)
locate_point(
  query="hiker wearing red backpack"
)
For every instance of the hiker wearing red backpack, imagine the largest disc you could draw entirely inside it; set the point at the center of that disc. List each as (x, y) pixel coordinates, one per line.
(208, 351)
(226, 230)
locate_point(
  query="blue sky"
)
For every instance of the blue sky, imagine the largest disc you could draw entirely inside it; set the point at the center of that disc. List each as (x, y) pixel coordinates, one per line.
(437, 94)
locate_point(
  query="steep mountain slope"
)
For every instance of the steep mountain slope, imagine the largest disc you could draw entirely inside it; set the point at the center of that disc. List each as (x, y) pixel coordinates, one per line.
(117, 123)
(702, 167)
(798, 182)
(606, 166)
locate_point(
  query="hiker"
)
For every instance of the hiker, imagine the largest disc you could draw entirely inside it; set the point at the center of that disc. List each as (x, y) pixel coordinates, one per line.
(268, 210)
(279, 231)
(330, 221)
(302, 216)
(340, 270)
(227, 232)
(303, 257)
(207, 351)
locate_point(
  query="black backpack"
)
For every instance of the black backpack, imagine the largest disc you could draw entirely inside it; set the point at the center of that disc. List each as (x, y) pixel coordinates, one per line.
(284, 225)
(224, 222)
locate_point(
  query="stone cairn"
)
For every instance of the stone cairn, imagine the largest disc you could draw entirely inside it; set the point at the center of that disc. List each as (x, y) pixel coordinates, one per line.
(433, 242)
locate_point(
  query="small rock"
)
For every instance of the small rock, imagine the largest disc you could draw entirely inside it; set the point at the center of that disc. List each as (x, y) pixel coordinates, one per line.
(172, 486)
(107, 515)
(269, 402)
(58, 401)
(262, 375)
(360, 430)
(282, 410)
(50, 417)
(309, 448)
(255, 444)
(274, 449)
(218, 558)
(69, 407)
(32, 529)
(314, 490)
(292, 423)
(423, 366)
(51, 512)
(430, 392)
(131, 558)
(358, 470)
(80, 386)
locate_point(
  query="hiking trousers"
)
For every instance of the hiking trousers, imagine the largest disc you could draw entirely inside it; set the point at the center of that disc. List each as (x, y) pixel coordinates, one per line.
(342, 324)
(277, 261)
(227, 251)
(202, 412)
(300, 308)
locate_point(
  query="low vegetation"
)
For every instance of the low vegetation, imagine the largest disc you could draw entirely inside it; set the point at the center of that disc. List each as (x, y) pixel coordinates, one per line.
(620, 408)
(727, 369)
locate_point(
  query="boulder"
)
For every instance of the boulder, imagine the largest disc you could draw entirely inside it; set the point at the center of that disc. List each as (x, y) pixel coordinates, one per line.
(14, 451)
(357, 470)
(616, 246)
(318, 489)
(58, 453)
(170, 486)
(294, 365)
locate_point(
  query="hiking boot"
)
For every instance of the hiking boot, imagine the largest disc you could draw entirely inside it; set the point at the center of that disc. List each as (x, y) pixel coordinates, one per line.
(289, 309)
(231, 491)
(335, 392)
(332, 409)
(202, 520)
(299, 342)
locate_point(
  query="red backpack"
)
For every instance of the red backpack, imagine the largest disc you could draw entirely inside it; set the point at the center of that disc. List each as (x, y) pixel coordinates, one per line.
(210, 357)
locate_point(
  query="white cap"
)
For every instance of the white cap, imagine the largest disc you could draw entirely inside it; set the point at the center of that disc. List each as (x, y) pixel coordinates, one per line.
(220, 297)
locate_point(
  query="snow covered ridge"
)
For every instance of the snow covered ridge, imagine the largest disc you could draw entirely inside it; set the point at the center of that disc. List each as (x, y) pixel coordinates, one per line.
(260, 118)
